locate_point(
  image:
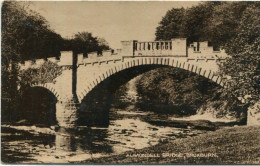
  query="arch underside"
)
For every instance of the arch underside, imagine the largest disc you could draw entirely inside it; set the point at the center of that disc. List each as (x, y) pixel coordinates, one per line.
(141, 63)
(49, 88)
(39, 106)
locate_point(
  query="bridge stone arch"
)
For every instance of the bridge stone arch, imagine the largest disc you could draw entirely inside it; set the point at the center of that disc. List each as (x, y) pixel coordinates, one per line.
(193, 66)
(80, 75)
(49, 88)
(38, 103)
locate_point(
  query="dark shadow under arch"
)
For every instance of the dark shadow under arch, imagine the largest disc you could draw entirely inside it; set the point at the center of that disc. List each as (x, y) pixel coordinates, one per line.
(94, 108)
(38, 106)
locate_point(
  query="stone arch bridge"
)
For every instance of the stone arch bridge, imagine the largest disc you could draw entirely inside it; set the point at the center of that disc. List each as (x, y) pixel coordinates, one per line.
(80, 75)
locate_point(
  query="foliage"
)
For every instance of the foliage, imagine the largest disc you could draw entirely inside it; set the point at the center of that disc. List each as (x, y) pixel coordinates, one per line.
(186, 93)
(197, 20)
(233, 26)
(222, 26)
(46, 73)
(212, 21)
(84, 42)
(10, 56)
(244, 66)
(27, 35)
(183, 92)
(191, 23)
(170, 25)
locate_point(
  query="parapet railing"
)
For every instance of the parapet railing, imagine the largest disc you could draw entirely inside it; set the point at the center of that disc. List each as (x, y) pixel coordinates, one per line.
(153, 48)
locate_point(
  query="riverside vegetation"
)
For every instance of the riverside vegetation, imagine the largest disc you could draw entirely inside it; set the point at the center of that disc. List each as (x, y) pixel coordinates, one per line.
(26, 35)
(233, 26)
(179, 92)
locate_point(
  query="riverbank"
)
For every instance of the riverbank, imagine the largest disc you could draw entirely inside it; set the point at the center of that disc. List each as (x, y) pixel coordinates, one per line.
(230, 145)
(179, 92)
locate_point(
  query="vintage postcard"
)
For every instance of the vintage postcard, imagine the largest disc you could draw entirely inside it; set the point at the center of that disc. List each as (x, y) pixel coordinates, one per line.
(130, 82)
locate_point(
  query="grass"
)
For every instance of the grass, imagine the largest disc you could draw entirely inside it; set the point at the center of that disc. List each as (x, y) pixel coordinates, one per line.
(231, 145)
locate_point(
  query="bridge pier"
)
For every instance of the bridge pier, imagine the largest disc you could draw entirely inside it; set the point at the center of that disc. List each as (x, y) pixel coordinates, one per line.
(66, 113)
(80, 75)
(67, 107)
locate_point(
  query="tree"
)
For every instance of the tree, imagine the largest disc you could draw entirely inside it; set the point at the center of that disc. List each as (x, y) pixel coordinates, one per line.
(191, 23)
(171, 25)
(11, 45)
(28, 33)
(85, 42)
(222, 25)
(244, 65)
(25, 35)
(46, 73)
(102, 43)
(196, 22)
(233, 26)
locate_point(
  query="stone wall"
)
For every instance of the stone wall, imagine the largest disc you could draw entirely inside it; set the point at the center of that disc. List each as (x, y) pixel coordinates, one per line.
(86, 73)
(203, 50)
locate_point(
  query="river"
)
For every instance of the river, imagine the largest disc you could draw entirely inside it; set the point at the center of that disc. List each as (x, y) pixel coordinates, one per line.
(127, 131)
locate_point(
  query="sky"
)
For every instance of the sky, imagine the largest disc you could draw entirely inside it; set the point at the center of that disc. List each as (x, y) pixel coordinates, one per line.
(114, 21)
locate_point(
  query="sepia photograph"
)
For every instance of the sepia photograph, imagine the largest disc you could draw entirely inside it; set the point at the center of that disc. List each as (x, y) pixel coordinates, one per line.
(130, 82)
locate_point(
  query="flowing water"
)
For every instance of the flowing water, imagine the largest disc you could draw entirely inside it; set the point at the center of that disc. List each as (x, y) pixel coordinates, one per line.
(127, 131)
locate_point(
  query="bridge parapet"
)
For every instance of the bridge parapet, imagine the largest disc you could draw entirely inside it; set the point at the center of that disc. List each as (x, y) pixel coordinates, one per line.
(101, 60)
(106, 56)
(36, 63)
(66, 59)
(174, 47)
(133, 48)
(203, 50)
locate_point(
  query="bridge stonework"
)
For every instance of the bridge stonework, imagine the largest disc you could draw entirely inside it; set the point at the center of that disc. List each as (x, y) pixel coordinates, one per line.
(80, 75)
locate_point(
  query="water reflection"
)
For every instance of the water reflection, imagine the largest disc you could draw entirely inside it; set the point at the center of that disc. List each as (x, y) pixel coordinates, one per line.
(126, 133)
(127, 130)
(71, 143)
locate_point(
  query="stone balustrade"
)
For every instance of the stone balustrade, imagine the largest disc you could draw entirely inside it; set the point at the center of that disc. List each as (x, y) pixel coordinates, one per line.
(174, 47)
(153, 48)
